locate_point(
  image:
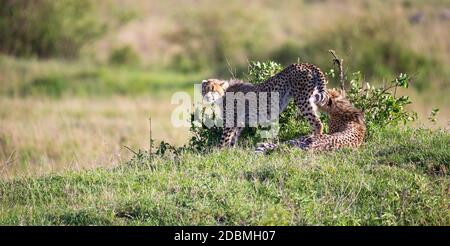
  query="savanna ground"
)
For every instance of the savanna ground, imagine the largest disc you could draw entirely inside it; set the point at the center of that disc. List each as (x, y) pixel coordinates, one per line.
(64, 110)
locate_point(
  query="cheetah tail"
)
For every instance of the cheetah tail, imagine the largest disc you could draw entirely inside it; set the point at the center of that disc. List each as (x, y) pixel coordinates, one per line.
(322, 94)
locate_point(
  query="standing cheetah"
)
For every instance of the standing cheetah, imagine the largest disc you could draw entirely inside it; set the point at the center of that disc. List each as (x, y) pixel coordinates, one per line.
(346, 127)
(304, 82)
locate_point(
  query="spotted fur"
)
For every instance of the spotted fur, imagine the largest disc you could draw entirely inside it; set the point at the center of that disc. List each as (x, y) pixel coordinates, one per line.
(304, 82)
(346, 127)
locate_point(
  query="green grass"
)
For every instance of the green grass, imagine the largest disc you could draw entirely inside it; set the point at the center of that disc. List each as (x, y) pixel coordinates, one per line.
(399, 177)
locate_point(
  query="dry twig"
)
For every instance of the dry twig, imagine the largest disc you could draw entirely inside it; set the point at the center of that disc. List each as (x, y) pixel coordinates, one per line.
(340, 64)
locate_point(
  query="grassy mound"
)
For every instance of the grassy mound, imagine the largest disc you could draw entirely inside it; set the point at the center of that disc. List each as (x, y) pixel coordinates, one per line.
(399, 177)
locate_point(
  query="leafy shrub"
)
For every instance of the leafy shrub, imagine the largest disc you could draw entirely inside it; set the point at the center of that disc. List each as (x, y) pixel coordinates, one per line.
(47, 28)
(259, 72)
(202, 136)
(380, 105)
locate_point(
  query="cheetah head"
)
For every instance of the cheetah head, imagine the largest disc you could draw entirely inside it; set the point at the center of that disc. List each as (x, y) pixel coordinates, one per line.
(336, 102)
(213, 89)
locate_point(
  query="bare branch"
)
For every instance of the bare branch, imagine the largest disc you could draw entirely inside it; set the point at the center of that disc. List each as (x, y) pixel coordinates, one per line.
(339, 63)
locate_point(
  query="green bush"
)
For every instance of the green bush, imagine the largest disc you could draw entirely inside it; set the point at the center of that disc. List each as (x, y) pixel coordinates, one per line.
(203, 138)
(380, 105)
(46, 28)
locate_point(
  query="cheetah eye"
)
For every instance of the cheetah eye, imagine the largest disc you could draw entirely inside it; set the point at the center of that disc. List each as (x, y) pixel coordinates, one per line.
(329, 102)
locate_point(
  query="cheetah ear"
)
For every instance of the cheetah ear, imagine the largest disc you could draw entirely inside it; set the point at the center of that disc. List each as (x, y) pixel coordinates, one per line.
(224, 84)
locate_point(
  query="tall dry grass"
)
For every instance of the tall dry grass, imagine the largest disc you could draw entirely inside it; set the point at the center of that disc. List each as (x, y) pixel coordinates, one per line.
(43, 135)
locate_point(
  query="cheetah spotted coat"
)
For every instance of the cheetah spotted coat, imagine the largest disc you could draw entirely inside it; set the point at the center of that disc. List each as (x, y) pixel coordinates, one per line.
(346, 128)
(304, 82)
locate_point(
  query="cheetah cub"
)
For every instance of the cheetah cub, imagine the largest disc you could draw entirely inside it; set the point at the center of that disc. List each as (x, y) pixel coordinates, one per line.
(346, 127)
(304, 82)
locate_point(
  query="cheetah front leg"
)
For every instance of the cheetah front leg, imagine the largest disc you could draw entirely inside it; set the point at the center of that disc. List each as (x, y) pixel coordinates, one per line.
(230, 136)
(309, 112)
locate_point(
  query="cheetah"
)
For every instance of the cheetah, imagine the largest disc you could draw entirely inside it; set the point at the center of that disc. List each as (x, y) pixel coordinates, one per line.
(346, 127)
(303, 82)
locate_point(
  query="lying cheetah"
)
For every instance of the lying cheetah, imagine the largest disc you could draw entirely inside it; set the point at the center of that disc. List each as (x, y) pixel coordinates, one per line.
(346, 127)
(304, 82)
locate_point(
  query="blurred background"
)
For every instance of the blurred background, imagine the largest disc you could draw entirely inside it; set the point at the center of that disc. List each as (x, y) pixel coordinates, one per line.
(80, 78)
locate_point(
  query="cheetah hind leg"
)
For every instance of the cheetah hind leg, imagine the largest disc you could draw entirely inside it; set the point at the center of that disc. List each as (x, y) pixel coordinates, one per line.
(309, 112)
